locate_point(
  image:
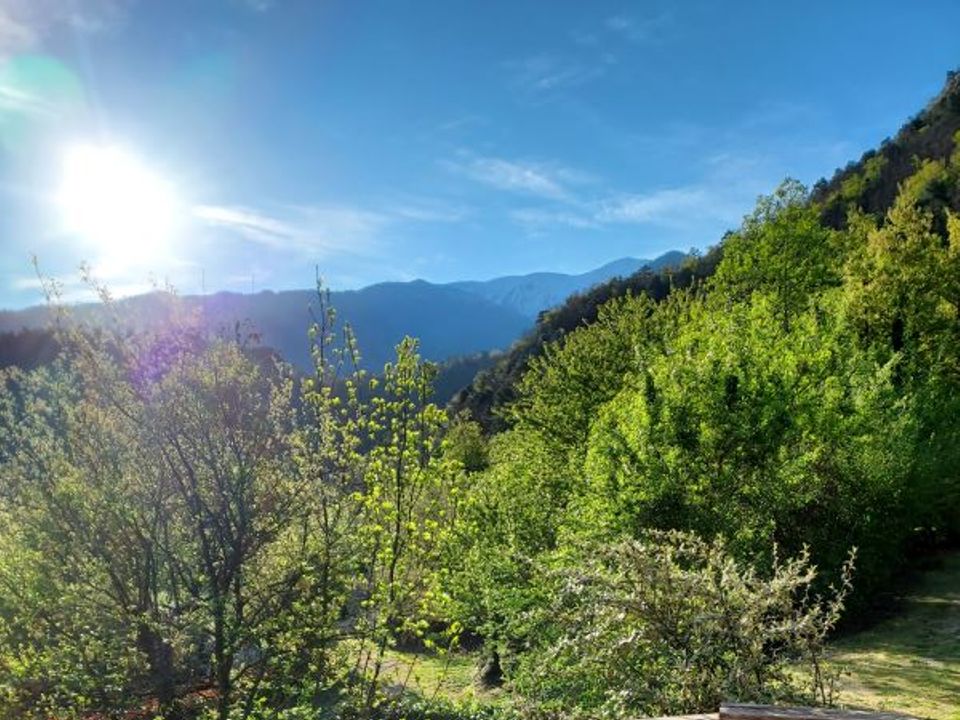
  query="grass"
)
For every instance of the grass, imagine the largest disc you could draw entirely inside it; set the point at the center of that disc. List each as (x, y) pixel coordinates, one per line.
(452, 676)
(910, 663)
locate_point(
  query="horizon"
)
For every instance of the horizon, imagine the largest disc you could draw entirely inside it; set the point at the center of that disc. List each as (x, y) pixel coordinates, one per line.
(268, 138)
(173, 290)
(167, 290)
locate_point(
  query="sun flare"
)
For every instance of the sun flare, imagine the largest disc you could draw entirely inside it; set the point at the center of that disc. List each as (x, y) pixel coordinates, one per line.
(126, 213)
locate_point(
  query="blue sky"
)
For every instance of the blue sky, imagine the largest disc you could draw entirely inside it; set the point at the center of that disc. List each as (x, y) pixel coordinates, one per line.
(444, 140)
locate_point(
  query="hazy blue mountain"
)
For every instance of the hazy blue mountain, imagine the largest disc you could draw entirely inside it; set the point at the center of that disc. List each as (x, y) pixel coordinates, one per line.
(447, 321)
(529, 294)
(451, 320)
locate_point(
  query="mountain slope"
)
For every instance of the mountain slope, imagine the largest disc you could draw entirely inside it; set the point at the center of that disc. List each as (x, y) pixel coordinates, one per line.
(533, 293)
(871, 184)
(465, 319)
(494, 386)
(447, 321)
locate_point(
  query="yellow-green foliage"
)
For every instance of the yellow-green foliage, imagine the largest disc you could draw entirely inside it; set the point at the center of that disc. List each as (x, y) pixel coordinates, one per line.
(857, 183)
(807, 397)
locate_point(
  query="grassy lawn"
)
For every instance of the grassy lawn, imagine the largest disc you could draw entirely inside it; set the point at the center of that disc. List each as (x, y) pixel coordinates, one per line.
(452, 676)
(911, 662)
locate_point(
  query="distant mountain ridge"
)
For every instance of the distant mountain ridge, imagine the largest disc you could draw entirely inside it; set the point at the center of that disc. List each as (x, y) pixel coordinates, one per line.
(450, 320)
(530, 294)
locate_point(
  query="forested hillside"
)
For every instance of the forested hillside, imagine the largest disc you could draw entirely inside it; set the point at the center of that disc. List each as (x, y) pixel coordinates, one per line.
(494, 387)
(870, 184)
(701, 475)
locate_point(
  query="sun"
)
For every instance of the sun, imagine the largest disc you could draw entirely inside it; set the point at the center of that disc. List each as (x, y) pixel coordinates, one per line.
(117, 206)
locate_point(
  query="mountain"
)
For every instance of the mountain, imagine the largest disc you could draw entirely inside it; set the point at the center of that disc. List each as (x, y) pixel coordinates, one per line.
(454, 320)
(533, 293)
(448, 321)
(869, 185)
(493, 386)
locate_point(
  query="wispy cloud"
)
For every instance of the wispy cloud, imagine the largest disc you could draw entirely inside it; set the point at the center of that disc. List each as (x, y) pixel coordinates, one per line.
(538, 219)
(74, 287)
(324, 230)
(27, 282)
(427, 211)
(308, 230)
(589, 54)
(19, 100)
(15, 35)
(251, 224)
(671, 207)
(639, 29)
(24, 24)
(725, 191)
(546, 72)
(544, 180)
(258, 5)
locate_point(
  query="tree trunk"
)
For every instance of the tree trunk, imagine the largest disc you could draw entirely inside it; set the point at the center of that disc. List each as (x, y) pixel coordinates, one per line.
(223, 661)
(159, 655)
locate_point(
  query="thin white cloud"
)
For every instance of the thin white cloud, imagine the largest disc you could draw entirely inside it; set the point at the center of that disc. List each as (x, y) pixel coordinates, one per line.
(662, 207)
(726, 190)
(515, 176)
(544, 180)
(252, 225)
(537, 219)
(589, 58)
(679, 208)
(18, 100)
(639, 29)
(26, 282)
(425, 209)
(543, 73)
(258, 5)
(75, 288)
(323, 230)
(25, 24)
(15, 36)
(422, 213)
(309, 230)
(569, 198)
(723, 195)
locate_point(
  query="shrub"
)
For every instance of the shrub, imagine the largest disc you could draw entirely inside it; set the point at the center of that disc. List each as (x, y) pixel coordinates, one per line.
(671, 623)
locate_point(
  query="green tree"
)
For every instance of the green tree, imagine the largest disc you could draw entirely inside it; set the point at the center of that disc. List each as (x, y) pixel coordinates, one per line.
(782, 249)
(409, 499)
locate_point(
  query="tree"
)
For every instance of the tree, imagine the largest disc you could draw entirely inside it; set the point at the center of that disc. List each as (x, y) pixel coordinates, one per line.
(235, 527)
(73, 480)
(155, 472)
(409, 498)
(782, 249)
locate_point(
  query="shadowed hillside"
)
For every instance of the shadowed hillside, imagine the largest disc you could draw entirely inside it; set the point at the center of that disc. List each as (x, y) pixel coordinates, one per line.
(452, 321)
(449, 322)
(872, 183)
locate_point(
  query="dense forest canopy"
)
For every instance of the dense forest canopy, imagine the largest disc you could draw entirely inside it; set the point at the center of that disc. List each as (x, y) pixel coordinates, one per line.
(695, 475)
